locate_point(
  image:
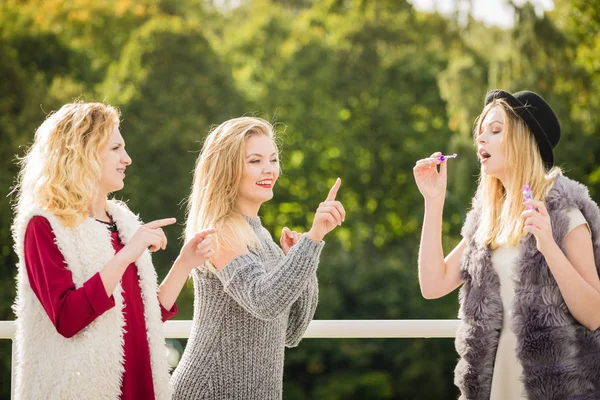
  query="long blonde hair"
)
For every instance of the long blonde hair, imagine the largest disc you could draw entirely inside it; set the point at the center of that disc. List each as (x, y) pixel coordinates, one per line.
(501, 221)
(217, 176)
(61, 170)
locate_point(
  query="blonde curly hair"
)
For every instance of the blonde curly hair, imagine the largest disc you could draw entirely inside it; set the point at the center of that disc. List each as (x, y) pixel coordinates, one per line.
(61, 170)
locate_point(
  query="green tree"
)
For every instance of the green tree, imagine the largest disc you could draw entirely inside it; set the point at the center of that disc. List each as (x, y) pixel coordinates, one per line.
(171, 87)
(355, 86)
(357, 89)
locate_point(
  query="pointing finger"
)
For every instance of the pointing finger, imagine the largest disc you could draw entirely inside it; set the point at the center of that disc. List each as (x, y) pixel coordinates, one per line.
(334, 189)
(161, 222)
(204, 233)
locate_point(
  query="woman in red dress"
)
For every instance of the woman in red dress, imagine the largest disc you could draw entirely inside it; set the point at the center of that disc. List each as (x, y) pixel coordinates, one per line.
(89, 310)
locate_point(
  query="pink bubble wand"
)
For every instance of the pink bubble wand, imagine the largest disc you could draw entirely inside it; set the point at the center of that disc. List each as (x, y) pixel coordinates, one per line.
(527, 196)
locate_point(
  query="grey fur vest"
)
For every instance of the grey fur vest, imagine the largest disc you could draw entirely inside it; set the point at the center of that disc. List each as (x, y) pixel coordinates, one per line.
(560, 357)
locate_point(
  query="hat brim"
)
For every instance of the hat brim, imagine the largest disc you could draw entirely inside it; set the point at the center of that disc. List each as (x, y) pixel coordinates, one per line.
(523, 112)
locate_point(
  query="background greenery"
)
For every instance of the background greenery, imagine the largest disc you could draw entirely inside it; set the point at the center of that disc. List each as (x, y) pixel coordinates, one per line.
(358, 89)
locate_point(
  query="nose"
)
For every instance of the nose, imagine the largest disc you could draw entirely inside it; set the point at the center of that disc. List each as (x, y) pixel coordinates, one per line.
(268, 168)
(481, 138)
(126, 159)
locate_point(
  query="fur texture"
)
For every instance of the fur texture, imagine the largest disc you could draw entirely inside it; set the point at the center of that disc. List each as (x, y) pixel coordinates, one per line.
(560, 357)
(90, 364)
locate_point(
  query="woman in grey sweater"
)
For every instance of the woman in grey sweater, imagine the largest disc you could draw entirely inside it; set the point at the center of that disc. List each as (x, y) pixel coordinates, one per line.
(252, 298)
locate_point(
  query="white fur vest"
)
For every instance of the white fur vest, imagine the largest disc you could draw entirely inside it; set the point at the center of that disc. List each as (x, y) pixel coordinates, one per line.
(560, 357)
(90, 364)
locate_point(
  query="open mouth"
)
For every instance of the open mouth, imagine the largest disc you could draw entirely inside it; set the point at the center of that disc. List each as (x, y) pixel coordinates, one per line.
(266, 184)
(483, 155)
(121, 171)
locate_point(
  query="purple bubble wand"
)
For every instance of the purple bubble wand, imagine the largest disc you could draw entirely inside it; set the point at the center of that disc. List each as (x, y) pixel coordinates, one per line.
(443, 158)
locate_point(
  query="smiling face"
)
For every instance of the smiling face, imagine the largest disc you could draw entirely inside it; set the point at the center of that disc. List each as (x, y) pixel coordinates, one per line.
(261, 170)
(491, 148)
(114, 161)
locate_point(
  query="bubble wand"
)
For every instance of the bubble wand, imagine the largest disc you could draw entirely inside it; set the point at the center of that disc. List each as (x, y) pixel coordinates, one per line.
(443, 158)
(527, 196)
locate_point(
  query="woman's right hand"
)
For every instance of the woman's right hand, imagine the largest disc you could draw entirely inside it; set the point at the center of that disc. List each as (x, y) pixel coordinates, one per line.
(148, 236)
(196, 251)
(430, 181)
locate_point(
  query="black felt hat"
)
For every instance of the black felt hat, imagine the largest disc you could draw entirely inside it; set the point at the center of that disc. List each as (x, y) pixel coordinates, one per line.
(537, 114)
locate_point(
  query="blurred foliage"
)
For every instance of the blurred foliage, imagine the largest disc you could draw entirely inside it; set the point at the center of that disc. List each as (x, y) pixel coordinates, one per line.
(357, 89)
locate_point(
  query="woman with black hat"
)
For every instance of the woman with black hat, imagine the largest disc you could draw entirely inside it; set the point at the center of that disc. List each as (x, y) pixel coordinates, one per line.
(529, 269)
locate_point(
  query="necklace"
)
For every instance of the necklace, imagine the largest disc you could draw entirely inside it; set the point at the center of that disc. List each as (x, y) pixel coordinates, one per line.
(112, 226)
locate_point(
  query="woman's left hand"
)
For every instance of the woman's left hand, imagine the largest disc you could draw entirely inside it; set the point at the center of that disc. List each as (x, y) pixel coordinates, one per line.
(537, 222)
(288, 239)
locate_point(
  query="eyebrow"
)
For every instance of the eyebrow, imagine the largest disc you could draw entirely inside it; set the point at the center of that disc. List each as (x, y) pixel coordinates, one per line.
(488, 125)
(258, 155)
(118, 144)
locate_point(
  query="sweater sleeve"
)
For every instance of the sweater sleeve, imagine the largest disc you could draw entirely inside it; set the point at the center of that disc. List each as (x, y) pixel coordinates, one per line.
(302, 312)
(70, 309)
(268, 294)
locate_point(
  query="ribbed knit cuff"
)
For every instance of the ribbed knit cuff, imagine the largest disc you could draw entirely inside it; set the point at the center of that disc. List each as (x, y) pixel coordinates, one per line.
(307, 249)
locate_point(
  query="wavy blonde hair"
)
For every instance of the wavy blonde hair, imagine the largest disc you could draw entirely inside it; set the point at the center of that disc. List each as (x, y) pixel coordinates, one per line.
(61, 170)
(501, 221)
(217, 176)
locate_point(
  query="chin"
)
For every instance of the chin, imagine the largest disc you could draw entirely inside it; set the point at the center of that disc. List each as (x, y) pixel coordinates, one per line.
(117, 187)
(265, 197)
(492, 173)
(487, 170)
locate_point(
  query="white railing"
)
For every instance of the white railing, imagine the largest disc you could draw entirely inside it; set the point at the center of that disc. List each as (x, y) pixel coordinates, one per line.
(318, 329)
(347, 328)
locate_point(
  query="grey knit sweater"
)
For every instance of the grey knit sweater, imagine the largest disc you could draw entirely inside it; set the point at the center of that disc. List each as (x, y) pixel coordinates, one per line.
(244, 316)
